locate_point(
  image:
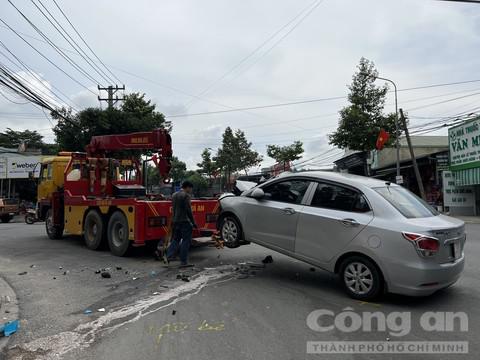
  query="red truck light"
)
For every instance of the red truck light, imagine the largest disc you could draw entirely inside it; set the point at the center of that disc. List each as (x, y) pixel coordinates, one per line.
(211, 218)
(157, 221)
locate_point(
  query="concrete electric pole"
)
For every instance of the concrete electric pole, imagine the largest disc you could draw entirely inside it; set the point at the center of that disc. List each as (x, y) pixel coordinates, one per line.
(111, 91)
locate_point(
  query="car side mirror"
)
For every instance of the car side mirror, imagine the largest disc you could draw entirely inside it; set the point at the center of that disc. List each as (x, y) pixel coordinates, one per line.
(258, 194)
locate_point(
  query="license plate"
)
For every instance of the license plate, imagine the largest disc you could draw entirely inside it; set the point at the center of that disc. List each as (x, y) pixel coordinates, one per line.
(456, 250)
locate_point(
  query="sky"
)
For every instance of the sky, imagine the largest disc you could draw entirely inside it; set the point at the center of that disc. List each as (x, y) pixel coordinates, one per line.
(192, 57)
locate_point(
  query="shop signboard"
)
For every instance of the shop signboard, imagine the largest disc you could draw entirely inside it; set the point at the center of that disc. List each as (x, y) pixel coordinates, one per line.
(463, 196)
(464, 145)
(19, 167)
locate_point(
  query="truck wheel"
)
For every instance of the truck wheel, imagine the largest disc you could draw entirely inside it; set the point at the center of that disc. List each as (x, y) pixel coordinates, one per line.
(118, 234)
(230, 231)
(361, 278)
(93, 230)
(54, 232)
(6, 218)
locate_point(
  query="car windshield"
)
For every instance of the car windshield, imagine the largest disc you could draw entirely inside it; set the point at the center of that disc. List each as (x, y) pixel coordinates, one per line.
(407, 203)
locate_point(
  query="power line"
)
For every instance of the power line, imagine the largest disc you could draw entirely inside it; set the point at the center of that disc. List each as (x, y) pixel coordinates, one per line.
(71, 41)
(46, 58)
(83, 40)
(311, 6)
(55, 47)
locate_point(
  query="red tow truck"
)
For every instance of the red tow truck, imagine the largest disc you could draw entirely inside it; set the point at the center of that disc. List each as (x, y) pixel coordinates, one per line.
(105, 200)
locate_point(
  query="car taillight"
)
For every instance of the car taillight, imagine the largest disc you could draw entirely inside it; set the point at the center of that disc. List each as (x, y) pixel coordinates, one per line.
(426, 245)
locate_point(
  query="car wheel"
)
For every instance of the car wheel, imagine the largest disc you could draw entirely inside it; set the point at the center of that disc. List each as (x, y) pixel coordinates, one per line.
(54, 232)
(361, 278)
(230, 231)
(93, 230)
(118, 234)
(6, 218)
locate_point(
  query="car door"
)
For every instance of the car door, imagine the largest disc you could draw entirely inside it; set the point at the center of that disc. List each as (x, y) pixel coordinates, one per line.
(333, 217)
(272, 221)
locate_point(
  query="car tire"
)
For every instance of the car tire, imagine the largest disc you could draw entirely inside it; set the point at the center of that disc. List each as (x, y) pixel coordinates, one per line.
(93, 230)
(6, 218)
(54, 232)
(117, 234)
(230, 231)
(361, 278)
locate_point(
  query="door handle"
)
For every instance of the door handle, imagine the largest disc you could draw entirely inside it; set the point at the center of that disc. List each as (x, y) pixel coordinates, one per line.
(289, 211)
(349, 222)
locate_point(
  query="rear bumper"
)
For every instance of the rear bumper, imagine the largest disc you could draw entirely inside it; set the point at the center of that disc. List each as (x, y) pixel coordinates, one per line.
(423, 279)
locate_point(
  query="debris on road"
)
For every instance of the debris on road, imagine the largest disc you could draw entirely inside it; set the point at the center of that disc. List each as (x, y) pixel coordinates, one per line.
(101, 310)
(268, 259)
(60, 267)
(156, 293)
(312, 269)
(118, 268)
(9, 328)
(106, 275)
(23, 273)
(135, 278)
(153, 273)
(98, 271)
(88, 311)
(174, 312)
(32, 266)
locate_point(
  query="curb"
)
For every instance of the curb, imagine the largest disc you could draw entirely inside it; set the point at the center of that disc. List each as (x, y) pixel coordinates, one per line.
(8, 309)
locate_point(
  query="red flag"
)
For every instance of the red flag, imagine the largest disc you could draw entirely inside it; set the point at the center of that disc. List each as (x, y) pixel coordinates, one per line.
(383, 137)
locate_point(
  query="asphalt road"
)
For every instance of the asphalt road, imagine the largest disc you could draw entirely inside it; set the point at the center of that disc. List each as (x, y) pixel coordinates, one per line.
(224, 311)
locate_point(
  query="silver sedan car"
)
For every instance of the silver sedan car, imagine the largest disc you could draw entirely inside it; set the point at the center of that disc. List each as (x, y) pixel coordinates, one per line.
(377, 236)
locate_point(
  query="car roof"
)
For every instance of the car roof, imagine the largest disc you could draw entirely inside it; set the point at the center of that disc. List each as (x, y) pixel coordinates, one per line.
(344, 178)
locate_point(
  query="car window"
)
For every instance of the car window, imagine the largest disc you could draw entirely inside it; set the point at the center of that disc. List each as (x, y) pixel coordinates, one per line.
(407, 203)
(290, 191)
(337, 197)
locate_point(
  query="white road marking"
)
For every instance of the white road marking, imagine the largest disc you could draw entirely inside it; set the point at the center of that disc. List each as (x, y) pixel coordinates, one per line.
(84, 334)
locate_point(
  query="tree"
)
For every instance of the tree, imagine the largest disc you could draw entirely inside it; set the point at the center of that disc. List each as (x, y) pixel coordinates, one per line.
(207, 165)
(178, 170)
(32, 140)
(200, 184)
(285, 154)
(135, 114)
(236, 153)
(361, 122)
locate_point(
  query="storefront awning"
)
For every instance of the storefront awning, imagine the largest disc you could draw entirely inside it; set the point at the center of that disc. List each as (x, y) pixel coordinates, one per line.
(467, 177)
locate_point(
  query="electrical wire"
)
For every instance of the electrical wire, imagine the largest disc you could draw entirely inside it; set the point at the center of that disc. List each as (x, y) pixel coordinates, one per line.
(86, 44)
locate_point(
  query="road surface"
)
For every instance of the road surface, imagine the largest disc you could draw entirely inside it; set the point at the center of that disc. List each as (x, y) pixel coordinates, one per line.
(226, 310)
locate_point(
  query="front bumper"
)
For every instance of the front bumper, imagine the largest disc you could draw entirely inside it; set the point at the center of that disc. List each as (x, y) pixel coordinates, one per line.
(422, 278)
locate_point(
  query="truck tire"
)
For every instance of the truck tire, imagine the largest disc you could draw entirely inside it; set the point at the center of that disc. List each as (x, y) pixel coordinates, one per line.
(117, 234)
(53, 231)
(6, 218)
(93, 230)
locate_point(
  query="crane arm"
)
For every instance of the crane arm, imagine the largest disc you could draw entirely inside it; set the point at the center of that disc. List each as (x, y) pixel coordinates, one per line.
(158, 140)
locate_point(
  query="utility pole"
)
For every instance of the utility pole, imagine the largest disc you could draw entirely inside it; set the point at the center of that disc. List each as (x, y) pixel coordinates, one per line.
(111, 90)
(412, 155)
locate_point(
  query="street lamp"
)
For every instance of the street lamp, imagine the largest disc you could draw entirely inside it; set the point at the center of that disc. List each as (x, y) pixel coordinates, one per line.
(397, 131)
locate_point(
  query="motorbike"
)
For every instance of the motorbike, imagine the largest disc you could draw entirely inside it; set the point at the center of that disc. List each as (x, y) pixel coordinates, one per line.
(31, 216)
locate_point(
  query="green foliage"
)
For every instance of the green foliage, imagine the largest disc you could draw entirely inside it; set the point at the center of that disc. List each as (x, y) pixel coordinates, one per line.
(285, 154)
(32, 140)
(207, 165)
(135, 114)
(360, 122)
(236, 153)
(200, 184)
(178, 171)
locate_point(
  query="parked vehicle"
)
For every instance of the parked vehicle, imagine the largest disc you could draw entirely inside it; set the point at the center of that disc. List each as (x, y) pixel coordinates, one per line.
(8, 209)
(31, 216)
(375, 235)
(104, 199)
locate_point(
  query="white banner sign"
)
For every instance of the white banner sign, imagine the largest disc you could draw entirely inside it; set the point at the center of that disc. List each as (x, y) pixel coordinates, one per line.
(19, 167)
(456, 195)
(464, 143)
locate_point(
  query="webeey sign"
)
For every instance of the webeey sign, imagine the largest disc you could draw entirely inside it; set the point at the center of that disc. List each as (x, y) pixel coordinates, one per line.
(464, 141)
(19, 167)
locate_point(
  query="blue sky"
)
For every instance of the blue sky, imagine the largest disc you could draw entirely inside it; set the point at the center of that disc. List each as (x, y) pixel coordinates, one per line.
(187, 45)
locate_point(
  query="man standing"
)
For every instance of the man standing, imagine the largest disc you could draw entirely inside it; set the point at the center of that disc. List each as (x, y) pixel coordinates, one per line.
(182, 224)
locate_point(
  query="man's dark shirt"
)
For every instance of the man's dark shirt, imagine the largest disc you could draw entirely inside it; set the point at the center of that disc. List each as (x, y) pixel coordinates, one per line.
(182, 209)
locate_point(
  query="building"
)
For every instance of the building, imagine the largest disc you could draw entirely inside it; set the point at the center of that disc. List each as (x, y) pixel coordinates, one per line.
(16, 167)
(464, 145)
